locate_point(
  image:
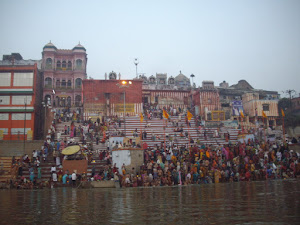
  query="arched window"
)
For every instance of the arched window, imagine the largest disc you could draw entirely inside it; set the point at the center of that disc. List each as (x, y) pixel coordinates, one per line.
(48, 63)
(69, 84)
(57, 83)
(58, 65)
(48, 82)
(63, 83)
(77, 100)
(78, 64)
(69, 65)
(78, 83)
(64, 64)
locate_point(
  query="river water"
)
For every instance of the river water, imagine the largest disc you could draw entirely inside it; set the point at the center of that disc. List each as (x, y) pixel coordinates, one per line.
(269, 202)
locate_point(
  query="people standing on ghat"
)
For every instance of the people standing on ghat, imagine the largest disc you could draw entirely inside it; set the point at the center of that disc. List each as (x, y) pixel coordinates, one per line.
(177, 164)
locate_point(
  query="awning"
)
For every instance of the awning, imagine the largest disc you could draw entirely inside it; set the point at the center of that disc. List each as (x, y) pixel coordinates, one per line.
(71, 150)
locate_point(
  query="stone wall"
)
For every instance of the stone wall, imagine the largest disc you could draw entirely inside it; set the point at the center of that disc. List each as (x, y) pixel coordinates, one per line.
(16, 148)
(130, 157)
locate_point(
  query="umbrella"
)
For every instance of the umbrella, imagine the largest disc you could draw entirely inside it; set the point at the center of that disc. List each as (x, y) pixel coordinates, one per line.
(71, 150)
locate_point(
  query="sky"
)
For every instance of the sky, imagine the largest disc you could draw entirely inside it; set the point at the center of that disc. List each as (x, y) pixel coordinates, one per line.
(231, 40)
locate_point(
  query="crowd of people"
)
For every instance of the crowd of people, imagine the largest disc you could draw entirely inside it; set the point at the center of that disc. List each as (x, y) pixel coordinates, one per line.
(176, 165)
(251, 161)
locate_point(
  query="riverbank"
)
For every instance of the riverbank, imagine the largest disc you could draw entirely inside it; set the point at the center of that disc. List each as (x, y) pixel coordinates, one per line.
(88, 185)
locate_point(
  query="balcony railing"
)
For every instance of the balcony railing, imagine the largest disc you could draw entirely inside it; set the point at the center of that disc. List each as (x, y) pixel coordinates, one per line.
(63, 69)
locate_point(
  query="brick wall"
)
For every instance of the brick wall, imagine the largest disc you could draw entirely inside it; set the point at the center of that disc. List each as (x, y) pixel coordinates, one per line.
(79, 165)
(94, 91)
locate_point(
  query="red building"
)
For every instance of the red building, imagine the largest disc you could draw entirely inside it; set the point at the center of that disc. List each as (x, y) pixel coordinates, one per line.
(162, 91)
(64, 71)
(106, 97)
(207, 102)
(20, 98)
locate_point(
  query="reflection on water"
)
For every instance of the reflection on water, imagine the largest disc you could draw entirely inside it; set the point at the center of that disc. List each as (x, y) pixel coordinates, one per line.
(273, 202)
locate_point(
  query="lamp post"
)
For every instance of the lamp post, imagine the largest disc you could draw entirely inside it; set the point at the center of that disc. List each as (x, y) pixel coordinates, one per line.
(25, 103)
(136, 62)
(53, 100)
(124, 84)
(192, 76)
(45, 105)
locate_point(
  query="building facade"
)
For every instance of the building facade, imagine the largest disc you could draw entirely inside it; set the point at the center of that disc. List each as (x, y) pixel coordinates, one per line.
(20, 98)
(63, 70)
(229, 95)
(207, 102)
(254, 106)
(160, 91)
(106, 97)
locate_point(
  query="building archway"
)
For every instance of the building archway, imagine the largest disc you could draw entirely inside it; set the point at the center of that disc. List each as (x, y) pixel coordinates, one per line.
(47, 99)
(78, 83)
(69, 101)
(48, 82)
(78, 64)
(77, 100)
(48, 63)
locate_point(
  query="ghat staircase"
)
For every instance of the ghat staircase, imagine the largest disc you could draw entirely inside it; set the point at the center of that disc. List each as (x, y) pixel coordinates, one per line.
(156, 128)
(206, 136)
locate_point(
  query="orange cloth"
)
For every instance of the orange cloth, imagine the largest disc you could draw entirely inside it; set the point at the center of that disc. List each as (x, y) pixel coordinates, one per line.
(207, 154)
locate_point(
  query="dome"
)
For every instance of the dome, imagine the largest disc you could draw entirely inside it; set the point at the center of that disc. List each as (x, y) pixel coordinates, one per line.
(79, 47)
(49, 46)
(181, 77)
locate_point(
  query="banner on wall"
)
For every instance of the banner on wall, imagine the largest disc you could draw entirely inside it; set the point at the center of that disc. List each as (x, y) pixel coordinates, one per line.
(94, 107)
(120, 108)
(1, 134)
(237, 107)
(29, 135)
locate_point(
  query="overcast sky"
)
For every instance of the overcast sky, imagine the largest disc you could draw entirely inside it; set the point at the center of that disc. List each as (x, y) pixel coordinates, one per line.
(255, 40)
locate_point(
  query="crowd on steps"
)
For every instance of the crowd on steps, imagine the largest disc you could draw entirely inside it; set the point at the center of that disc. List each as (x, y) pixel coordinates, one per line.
(164, 165)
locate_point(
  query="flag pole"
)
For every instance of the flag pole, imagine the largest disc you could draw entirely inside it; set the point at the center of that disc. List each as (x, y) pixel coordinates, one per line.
(264, 130)
(189, 135)
(141, 135)
(283, 130)
(164, 134)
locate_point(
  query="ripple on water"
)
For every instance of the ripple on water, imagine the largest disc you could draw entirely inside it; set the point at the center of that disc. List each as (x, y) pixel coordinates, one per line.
(273, 202)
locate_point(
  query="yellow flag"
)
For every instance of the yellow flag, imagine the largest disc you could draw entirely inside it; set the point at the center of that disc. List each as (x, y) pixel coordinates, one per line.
(165, 114)
(282, 113)
(242, 114)
(142, 117)
(189, 115)
(263, 114)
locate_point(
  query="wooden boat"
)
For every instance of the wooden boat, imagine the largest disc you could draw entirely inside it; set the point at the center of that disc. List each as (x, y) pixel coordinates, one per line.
(103, 184)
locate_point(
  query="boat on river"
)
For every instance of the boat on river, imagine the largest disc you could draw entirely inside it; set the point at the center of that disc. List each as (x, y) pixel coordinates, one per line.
(103, 184)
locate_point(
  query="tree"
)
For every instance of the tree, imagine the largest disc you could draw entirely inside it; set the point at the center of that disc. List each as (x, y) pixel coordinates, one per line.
(284, 104)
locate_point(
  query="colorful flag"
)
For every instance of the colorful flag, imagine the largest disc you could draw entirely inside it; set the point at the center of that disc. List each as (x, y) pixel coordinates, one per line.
(141, 116)
(242, 114)
(165, 114)
(263, 114)
(189, 115)
(282, 113)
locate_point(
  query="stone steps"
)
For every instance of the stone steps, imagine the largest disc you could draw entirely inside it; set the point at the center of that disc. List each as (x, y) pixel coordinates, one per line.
(5, 167)
(157, 126)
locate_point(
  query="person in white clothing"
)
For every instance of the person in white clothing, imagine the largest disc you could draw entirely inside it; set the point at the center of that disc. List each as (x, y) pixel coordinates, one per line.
(74, 177)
